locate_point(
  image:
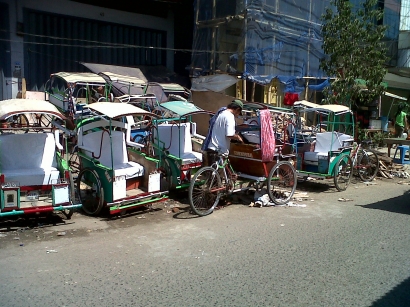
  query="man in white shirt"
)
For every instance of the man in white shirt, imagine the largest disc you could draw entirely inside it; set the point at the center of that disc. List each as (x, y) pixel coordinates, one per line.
(222, 131)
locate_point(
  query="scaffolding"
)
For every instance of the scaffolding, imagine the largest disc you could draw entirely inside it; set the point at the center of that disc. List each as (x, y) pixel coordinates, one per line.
(274, 43)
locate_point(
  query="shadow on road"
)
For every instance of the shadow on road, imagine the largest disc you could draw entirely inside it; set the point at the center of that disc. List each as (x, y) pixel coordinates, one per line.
(236, 199)
(318, 185)
(399, 204)
(134, 212)
(399, 296)
(322, 186)
(32, 221)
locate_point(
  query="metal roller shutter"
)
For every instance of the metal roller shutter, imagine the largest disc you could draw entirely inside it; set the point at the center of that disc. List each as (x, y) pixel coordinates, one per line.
(54, 43)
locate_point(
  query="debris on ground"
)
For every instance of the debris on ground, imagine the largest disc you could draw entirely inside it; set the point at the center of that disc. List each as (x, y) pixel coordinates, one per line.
(389, 169)
(401, 174)
(344, 199)
(369, 183)
(262, 199)
(403, 182)
(292, 204)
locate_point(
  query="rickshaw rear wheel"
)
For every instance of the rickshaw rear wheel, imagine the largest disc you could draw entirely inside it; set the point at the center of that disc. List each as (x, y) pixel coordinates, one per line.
(282, 181)
(18, 121)
(343, 172)
(202, 195)
(90, 192)
(42, 121)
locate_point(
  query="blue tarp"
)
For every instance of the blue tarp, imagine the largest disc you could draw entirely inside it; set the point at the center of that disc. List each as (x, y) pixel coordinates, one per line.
(260, 40)
(288, 84)
(319, 87)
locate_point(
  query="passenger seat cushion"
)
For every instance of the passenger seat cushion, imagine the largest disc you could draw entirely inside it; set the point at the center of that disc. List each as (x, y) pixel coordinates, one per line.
(29, 158)
(325, 142)
(31, 177)
(312, 158)
(129, 170)
(176, 138)
(102, 152)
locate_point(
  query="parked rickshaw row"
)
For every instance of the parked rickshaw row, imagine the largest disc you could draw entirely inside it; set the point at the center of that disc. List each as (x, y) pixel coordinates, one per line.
(128, 150)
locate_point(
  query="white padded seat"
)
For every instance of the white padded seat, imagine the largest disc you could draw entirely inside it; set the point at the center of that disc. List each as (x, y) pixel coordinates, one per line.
(325, 142)
(91, 144)
(29, 158)
(312, 158)
(177, 138)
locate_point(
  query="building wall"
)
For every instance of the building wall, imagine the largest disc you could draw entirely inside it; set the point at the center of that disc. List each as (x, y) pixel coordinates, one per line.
(405, 15)
(404, 49)
(4, 50)
(17, 10)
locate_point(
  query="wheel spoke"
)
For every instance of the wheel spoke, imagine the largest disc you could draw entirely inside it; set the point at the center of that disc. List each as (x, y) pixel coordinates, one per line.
(18, 121)
(282, 181)
(368, 165)
(343, 172)
(90, 191)
(204, 191)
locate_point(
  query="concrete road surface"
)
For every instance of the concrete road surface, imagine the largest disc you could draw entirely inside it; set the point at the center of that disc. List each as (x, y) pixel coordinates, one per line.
(329, 253)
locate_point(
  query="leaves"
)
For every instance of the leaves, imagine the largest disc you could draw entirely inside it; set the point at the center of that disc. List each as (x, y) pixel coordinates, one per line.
(352, 41)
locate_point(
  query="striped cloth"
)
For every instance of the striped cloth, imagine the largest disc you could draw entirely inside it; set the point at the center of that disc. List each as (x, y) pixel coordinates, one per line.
(267, 136)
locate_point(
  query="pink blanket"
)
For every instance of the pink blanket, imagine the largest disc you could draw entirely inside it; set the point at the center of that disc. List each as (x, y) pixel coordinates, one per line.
(267, 136)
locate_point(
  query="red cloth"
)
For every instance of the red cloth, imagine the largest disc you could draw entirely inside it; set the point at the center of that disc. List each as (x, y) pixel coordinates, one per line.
(267, 136)
(290, 98)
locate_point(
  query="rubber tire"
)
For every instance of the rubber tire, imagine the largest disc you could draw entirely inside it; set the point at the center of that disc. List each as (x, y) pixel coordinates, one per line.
(197, 194)
(279, 168)
(94, 208)
(347, 167)
(366, 157)
(20, 118)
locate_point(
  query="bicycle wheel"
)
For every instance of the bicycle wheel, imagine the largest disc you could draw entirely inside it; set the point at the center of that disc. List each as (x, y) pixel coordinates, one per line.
(205, 190)
(90, 192)
(282, 181)
(343, 172)
(42, 121)
(18, 121)
(368, 165)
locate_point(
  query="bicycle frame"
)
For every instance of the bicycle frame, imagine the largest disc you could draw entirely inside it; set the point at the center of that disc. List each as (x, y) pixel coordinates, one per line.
(223, 165)
(354, 154)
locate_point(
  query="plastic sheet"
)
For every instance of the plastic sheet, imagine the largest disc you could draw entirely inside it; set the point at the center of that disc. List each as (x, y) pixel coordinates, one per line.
(216, 83)
(259, 40)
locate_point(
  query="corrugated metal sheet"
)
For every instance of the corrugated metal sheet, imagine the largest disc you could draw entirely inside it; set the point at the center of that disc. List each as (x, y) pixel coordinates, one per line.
(56, 43)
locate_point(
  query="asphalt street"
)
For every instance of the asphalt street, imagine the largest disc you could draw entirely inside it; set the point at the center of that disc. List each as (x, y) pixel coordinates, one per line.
(328, 253)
